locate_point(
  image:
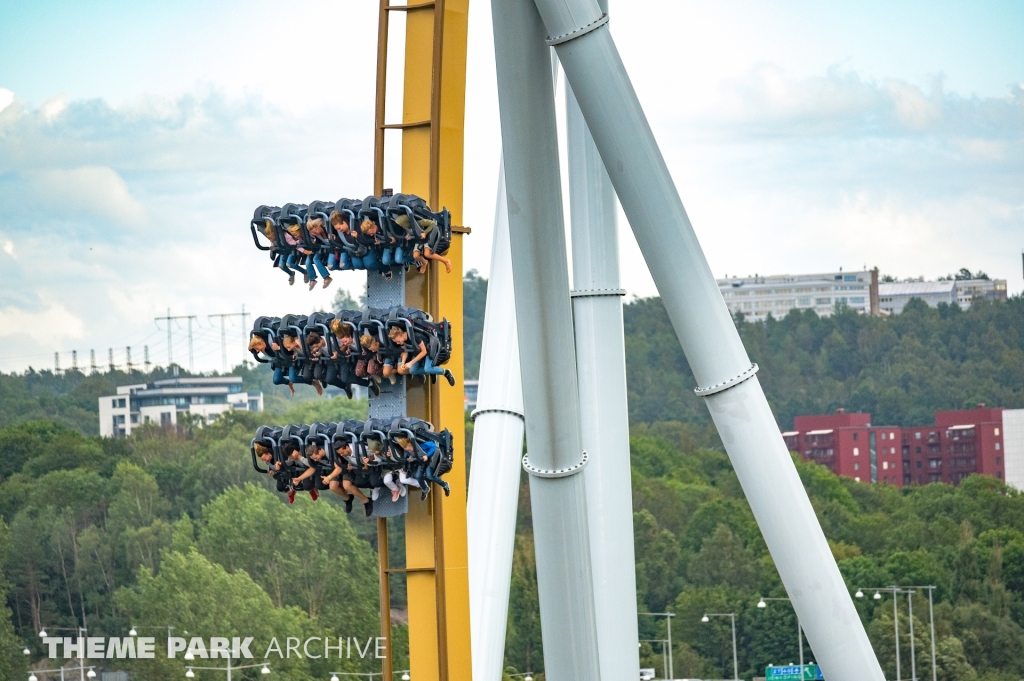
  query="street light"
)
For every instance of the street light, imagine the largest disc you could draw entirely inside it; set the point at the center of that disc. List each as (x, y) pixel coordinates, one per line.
(670, 671)
(909, 590)
(190, 674)
(133, 632)
(32, 677)
(42, 633)
(265, 670)
(799, 628)
(82, 631)
(91, 674)
(405, 677)
(27, 651)
(732, 617)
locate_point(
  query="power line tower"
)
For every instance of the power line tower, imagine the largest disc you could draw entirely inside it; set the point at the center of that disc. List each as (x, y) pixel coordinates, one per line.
(169, 318)
(223, 337)
(56, 363)
(92, 362)
(74, 360)
(145, 357)
(110, 359)
(128, 358)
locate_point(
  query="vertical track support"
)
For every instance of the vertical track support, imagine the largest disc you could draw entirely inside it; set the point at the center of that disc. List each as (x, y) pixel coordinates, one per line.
(433, 116)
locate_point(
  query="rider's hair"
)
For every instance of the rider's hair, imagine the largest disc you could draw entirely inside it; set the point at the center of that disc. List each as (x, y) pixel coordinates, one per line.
(394, 331)
(367, 225)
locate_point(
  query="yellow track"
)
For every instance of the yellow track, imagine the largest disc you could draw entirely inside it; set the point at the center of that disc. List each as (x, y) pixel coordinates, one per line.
(432, 166)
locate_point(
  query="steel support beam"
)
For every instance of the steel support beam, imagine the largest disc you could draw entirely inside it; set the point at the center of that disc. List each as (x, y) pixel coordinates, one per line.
(604, 415)
(497, 451)
(578, 30)
(544, 314)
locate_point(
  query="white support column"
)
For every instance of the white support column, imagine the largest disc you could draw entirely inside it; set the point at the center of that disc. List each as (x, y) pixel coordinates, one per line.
(578, 30)
(544, 313)
(604, 418)
(497, 460)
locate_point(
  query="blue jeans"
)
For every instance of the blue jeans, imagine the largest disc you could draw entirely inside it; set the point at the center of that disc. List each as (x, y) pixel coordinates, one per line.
(425, 366)
(386, 256)
(318, 261)
(279, 377)
(372, 262)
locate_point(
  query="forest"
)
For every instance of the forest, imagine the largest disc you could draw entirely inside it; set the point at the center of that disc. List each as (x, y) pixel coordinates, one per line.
(174, 528)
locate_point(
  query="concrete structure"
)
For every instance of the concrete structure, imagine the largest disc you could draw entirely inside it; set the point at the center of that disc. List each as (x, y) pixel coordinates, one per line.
(1013, 446)
(161, 401)
(967, 290)
(894, 297)
(757, 297)
(961, 443)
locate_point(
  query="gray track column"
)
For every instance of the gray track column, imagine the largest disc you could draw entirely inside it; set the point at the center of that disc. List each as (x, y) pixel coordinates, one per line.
(578, 30)
(497, 465)
(544, 317)
(604, 413)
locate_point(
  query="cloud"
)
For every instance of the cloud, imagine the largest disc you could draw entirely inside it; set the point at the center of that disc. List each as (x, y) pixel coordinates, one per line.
(95, 190)
(6, 97)
(767, 102)
(46, 325)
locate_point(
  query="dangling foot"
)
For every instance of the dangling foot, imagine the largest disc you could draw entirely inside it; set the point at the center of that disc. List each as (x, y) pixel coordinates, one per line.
(395, 493)
(446, 488)
(291, 387)
(291, 496)
(312, 284)
(402, 489)
(291, 279)
(305, 278)
(348, 390)
(374, 388)
(386, 274)
(368, 507)
(327, 281)
(313, 494)
(348, 505)
(320, 389)
(451, 377)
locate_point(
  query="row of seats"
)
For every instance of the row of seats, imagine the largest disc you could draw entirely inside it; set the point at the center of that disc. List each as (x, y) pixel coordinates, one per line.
(349, 457)
(378, 233)
(360, 347)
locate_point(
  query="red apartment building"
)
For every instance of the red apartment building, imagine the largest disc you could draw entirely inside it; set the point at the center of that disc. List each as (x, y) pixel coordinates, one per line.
(960, 443)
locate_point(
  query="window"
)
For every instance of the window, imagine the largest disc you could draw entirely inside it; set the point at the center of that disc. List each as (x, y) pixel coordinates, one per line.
(165, 418)
(997, 432)
(855, 438)
(999, 474)
(850, 277)
(892, 436)
(885, 465)
(135, 418)
(857, 479)
(857, 301)
(822, 301)
(918, 464)
(883, 436)
(917, 449)
(997, 446)
(892, 450)
(999, 460)
(917, 435)
(113, 404)
(856, 451)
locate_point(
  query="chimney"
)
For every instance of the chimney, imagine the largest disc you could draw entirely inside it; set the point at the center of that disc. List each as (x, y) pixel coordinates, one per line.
(876, 307)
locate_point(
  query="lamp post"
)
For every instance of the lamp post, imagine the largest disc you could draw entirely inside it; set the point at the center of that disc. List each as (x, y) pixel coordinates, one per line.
(190, 674)
(732, 617)
(91, 673)
(82, 631)
(169, 629)
(799, 629)
(909, 590)
(663, 642)
(670, 673)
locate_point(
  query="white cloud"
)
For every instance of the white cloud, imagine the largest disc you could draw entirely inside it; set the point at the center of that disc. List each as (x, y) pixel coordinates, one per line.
(96, 190)
(9, 248)
(6, 97)
(44, 325)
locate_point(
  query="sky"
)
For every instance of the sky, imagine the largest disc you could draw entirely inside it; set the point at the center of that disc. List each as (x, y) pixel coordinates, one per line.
(137, 138)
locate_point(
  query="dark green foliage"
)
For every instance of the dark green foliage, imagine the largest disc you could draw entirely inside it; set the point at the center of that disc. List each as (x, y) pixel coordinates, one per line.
(901, 369)
(474, 300)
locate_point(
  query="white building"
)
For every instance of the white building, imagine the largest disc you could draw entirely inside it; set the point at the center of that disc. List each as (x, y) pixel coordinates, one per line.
(162, 401)
(1013, 446)
(989, 289)
(756, 297)
(894, 297)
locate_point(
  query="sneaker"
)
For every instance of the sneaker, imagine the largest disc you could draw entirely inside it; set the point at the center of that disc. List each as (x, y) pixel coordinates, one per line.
(348, 504)
(313, 494)
(374, 389)
(446, 488)
(305, 278)
(369, 507)
(327, 281)
(423, 494)
(402, 490)
(312, 284)
(451, 378)
(348, 390)
(291, 496)
(387, 275)
(395, 493)
(291, 279)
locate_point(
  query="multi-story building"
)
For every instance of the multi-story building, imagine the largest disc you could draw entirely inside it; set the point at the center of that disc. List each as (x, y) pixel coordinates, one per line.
(757, 297)
(893, 297)
(960, 443)
(848, 445)
(161, 402)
